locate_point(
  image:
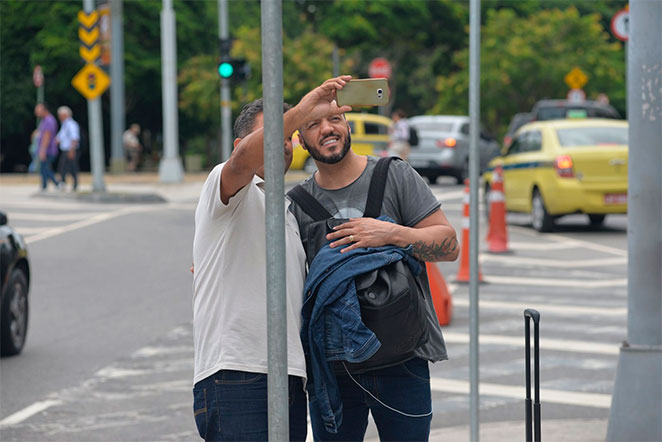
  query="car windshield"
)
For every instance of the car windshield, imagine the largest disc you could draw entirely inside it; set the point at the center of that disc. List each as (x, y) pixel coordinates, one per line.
(592, 136)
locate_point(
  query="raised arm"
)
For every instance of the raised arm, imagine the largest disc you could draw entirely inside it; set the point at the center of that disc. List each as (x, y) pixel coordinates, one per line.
(248, 155)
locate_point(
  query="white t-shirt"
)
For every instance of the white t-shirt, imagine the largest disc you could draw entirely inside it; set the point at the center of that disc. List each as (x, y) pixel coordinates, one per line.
(229, 282)
(68, 133)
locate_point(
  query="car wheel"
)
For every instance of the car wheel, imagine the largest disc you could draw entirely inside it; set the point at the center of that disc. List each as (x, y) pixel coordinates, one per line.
(14, 314)
(596, 219)
(463, 174)
(432, 178)
(541, 220)
(310, 166)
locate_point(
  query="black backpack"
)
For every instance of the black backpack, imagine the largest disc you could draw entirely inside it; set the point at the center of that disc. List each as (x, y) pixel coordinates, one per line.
(413, 136)
(390, 298)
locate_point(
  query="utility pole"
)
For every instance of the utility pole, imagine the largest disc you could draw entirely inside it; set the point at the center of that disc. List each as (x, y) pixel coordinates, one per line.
(274, 171)
(226, 109)
(170, 168)
(474, 131)
(95, 127)
(117, 116)
(637, 399)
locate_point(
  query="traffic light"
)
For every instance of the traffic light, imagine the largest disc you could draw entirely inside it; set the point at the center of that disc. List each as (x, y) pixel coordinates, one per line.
(236, 69)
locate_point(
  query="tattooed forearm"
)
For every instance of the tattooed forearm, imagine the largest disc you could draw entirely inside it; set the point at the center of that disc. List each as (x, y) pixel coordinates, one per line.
(435, 251)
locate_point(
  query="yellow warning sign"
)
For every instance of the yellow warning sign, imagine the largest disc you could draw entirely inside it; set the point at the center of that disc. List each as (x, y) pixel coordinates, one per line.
(88, 20)
(576, 78)
(91, 81)
(89, 55)
(90, 37)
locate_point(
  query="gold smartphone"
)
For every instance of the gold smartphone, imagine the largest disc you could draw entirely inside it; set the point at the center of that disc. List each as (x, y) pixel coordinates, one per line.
(365, 92)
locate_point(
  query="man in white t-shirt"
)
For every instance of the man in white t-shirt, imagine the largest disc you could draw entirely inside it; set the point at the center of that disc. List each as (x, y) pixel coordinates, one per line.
(229, 283)
(69, 140)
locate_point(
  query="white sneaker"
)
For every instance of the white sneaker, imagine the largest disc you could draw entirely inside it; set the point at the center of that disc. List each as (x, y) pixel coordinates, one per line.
(61, 186)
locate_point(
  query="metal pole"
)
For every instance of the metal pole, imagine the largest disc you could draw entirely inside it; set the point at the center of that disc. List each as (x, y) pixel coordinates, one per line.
(95, 126)
(474, 131)
(170, 168)
(336, 61)
(274, 169)
(117, 123)
(637, 399)
(226, 99)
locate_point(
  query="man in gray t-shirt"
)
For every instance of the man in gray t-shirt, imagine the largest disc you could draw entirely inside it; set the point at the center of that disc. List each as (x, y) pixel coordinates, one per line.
(398, 397)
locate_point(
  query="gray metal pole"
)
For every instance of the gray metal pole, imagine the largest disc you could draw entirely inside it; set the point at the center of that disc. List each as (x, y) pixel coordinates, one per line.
(226, 99)
(170, 167)
(336, 61)
(95, 126)
(637, 399)
(274, 168)
(117, 117)
(474, 132)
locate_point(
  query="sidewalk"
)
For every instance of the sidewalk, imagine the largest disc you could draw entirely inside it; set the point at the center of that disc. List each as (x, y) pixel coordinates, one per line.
(121, 188)
(553, 430)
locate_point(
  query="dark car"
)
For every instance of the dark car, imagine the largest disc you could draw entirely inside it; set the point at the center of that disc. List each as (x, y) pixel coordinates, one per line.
(560, 109)
(14, 286)
(443, 146)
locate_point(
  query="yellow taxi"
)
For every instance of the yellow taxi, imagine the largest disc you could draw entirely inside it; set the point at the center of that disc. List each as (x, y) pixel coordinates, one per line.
(559, 167)
(369, 137)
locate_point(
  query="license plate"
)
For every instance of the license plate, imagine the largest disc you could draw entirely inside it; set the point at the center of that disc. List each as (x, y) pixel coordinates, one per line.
(616, 198)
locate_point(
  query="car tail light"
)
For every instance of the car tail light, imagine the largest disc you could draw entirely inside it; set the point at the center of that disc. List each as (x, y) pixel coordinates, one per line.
(447, 142)
(564, 167)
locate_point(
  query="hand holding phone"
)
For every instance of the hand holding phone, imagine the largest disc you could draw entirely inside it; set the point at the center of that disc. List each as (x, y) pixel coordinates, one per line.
(364, 92)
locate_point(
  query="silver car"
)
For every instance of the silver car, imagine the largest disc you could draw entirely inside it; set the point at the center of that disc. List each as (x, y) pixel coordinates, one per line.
(443, 147)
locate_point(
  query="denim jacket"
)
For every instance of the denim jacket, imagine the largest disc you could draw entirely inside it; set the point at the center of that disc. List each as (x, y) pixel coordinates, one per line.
(332, 329)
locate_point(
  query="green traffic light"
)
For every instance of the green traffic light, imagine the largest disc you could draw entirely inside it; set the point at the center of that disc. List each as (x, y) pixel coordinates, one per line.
(225, 69)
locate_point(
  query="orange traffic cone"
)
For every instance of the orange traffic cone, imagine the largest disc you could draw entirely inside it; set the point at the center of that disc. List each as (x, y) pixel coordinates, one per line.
(463, 271)
(497, 236)
(443, 304)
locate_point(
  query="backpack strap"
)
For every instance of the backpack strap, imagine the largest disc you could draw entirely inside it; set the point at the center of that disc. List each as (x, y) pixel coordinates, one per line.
(373, 207)
(308, 203)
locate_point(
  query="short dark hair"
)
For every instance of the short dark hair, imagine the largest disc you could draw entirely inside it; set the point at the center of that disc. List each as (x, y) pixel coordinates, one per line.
(244, 123)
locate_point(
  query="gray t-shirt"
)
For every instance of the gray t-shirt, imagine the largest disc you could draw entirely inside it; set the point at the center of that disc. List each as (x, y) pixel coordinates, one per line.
(407, 200)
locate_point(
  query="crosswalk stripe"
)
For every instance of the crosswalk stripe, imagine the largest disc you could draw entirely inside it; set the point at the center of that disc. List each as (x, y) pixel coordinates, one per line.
(565, 282)
(567, 345)
(562, 309)
(556, 263)
(597, 400)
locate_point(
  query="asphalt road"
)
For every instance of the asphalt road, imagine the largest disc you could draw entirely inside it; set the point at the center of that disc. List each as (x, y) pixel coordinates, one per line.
(109, 350)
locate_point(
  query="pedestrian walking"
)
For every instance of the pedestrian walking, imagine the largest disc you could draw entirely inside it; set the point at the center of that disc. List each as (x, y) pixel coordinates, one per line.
(397, 393)
(399, 136)
(229, 284)
(47, 145)
(132, 147)
(68, 139)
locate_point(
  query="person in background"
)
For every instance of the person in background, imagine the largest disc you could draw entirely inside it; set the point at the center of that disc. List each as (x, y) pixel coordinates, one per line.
(132, 146)
(399, 136)
(47, 145)
(69, 140)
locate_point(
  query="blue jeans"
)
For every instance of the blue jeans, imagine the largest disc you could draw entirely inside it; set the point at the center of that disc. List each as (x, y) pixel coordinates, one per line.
(46, 169)
(232, 406)
(404, 387)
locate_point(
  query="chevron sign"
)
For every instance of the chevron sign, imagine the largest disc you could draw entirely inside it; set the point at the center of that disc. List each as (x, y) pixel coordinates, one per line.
(88, 34)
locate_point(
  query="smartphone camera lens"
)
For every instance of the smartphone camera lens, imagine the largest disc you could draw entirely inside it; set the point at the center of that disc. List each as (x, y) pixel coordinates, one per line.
(380, 93)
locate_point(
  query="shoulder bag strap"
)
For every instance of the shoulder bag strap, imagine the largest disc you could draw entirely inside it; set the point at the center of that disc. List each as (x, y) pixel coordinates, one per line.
(373, 207)
(308, 203)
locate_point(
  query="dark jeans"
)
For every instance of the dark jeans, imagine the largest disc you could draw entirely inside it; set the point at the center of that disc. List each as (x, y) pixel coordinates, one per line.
(232, 406)
(404, 387)
(46, 169)
(68, 165)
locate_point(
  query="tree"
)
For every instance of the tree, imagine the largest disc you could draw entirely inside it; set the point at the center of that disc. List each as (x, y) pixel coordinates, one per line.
(524, 59)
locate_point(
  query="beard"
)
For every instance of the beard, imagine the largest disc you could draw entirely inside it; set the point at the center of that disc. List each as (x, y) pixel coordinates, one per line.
(328, 159)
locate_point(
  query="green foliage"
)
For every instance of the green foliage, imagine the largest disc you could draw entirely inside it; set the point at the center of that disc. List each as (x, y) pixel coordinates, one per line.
(524, 59)
(527, 49)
